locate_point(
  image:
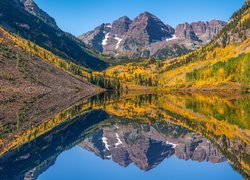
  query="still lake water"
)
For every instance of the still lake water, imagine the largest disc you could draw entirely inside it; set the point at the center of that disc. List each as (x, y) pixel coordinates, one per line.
(159, 136)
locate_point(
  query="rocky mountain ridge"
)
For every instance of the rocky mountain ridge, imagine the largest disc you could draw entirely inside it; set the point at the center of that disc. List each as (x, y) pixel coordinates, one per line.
(147, 36)
(148, 145)
(26, 19)
(32, 7)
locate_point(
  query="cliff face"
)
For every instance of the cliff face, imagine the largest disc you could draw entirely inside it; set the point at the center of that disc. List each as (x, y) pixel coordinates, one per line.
(32, 7)
(185, 31)
(147, 146)
(148, 36)
(121, 26)
(95, 38)
(206, 31)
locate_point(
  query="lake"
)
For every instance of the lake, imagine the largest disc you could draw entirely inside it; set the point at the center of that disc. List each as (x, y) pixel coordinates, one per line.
(128, 136)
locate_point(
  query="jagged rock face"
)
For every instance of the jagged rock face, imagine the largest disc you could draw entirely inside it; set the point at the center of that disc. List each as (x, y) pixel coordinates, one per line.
(147, 146)
(199, 27)
(31, 7)
(107, 38)
(147, 36)
(121, 26)
(185, 31)
(94, 38)
(147, 28)
(206, 31)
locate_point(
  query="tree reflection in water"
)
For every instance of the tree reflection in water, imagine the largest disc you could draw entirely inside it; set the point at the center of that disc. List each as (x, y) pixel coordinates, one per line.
(141, 129)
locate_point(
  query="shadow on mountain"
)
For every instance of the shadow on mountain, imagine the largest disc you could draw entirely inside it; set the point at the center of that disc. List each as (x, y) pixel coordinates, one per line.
(35, 157)
(143, 130)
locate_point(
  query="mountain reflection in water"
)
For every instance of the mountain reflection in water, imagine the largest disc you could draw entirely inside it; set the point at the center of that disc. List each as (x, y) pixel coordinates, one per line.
(143, 130)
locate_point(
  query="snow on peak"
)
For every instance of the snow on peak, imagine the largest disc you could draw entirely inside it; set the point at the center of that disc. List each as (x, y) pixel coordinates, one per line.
(118, 41)
(108, 157)
(104, 140)
(173, 145)
(104, 42)
(172, 38)
(108, 26)
(119, 142)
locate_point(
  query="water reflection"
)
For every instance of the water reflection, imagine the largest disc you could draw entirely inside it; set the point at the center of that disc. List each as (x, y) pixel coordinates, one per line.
(143, 130)
(148, 145)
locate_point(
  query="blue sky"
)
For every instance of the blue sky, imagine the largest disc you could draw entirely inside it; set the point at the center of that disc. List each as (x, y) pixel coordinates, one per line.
(77, 164)
(78, 16)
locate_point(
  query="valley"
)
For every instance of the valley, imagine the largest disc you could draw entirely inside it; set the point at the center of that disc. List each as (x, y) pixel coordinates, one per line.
(219, 60)
(198, 127)
(134, 96)
(181, 73)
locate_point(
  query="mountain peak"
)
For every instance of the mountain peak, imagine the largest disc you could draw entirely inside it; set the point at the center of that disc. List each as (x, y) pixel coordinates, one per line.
(217, 22)
(27, 1)
(147, 15)
(32, 8)
(206, 31)
(149, 28)
(125, 18)
(147, 35)
(185, 146)
(103, 27)
(121, 25)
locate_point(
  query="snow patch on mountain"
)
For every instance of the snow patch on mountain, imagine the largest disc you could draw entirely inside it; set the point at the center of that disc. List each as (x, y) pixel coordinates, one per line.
(104, 42)
(172, 38)
(118, 41)
(174, 145)
(119, 142)
(109, 26)
(104, 140)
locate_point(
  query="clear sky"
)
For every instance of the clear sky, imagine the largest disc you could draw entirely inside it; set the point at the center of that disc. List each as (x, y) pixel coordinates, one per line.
(78, 16)
(77, 164)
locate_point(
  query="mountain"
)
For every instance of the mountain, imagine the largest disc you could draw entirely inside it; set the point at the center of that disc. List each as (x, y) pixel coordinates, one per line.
(185, 31)
(38, 155)
(206, 31)
(222, 64)
(29, 71)
(96, 37)
(147, 146)
(121, 26)
(146, 29)
(143, 130)
(26, 19)
(32, 7)
(147, 36)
